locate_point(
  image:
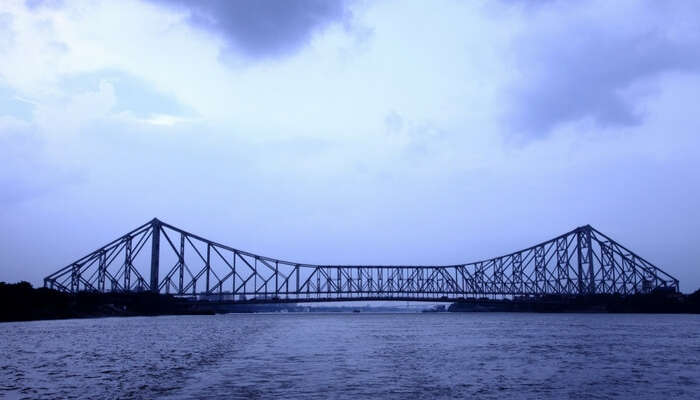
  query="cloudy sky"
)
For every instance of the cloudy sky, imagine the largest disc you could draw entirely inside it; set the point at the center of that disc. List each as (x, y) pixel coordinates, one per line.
(350, 131)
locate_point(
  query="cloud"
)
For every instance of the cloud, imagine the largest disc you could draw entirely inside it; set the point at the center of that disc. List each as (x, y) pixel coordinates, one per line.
(584, 65)
(133, 95)
(13, 105)
(34, 4)
(263, 29)
(6, 34)
(165, 120)
(134, 115)
(393, 122)
(27, 171)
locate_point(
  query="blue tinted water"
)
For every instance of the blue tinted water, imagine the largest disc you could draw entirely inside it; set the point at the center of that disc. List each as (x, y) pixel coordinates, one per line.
(348, 356)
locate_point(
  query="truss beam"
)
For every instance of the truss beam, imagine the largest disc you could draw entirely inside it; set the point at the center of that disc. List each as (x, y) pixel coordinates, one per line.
(580, 262)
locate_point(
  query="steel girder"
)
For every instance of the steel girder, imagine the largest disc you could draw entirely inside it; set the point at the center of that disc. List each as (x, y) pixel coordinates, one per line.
(580, 262)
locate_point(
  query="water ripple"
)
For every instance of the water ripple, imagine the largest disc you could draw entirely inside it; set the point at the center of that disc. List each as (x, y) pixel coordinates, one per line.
(344, 356)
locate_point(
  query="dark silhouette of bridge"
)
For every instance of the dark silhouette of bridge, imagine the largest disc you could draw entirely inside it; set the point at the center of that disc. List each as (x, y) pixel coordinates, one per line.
(161, 258)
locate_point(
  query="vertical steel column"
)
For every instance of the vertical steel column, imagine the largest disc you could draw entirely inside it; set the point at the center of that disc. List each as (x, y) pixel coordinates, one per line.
(359, 283)
(298, 289)
(206, 289)
(318, 281)
(181, 260)
(607, 268)
(498, 278)
(586, 285)
(479, 278)
(579, 253)
(591, 273)
(233, 277)
(517, 273)
(635, 273)
(101, 269)
(127, 264)
(540, 270)
(75, 278)
(456, 289)
(155, 254)
(563, 278)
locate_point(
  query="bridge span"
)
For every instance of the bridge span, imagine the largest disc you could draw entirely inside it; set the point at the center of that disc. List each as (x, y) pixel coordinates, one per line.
(162, 258)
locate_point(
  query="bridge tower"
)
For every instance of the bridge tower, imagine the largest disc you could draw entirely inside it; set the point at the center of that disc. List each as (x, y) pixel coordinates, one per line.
(155, 254)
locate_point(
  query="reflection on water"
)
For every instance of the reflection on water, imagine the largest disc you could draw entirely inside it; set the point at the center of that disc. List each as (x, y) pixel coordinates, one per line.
(441, 355)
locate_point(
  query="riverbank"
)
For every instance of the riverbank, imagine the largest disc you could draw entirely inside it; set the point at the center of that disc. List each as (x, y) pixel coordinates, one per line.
(21, 302)
(656, 303)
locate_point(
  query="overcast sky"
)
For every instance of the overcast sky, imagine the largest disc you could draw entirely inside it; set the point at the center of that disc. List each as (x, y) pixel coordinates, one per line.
(350, 132)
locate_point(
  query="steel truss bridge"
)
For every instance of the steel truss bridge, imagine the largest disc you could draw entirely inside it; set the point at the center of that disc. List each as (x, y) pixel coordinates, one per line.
(161, 258)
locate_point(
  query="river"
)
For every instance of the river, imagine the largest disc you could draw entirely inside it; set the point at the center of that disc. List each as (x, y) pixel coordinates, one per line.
(355, 355)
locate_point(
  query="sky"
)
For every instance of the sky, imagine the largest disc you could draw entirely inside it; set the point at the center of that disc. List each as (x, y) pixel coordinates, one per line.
(349, 132)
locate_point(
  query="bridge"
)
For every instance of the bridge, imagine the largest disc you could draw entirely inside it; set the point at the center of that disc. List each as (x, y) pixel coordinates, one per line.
(162, 258)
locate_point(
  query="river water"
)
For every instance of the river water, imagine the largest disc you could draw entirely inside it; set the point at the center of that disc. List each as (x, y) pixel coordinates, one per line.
(349, 356)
